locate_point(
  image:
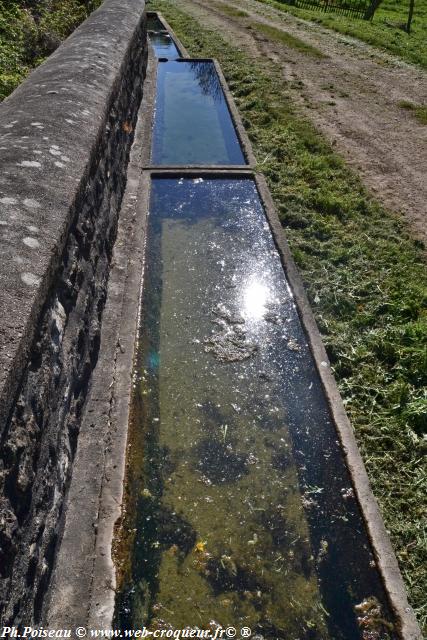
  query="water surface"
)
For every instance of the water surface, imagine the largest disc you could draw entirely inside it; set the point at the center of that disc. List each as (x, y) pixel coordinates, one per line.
(245, 513)
(163, 45)
(154, 23)
(193, 125)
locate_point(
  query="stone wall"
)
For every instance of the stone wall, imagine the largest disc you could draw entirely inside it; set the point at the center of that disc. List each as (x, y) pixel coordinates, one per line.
(65, 137)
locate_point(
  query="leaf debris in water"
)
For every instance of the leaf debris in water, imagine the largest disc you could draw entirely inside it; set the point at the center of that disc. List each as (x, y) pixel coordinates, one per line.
(229, 344)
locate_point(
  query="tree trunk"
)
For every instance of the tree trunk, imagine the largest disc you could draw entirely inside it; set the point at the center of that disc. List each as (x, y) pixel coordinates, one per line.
(410, 14)
(369, 13)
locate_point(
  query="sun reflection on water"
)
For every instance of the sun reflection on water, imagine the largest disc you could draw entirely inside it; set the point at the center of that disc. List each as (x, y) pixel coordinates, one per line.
(255, 298)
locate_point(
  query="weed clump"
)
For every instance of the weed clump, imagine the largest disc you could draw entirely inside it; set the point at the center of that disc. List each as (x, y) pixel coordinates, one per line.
(419, 111)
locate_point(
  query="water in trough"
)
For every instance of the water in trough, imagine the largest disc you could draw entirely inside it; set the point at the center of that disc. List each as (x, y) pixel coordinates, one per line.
(241, 504)
(193, 125)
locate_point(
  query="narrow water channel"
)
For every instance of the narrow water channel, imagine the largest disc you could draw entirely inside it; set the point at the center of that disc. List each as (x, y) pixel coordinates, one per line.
(192, 123)
(163, 45)
(161, 41)
(241, 505)
(154, 23)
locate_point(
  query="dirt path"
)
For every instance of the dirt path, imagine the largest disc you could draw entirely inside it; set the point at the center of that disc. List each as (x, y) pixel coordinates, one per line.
(352, 96)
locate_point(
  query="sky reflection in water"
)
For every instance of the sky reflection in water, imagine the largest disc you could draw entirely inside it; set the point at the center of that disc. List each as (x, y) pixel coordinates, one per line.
(192, 123)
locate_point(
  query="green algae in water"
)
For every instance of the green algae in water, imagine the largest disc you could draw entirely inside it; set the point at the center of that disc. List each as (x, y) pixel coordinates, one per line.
(245, 515)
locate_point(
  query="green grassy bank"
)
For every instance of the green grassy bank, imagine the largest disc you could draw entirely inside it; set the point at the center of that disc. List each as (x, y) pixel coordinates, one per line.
(367, 282)
(31, 31)
(383, 32)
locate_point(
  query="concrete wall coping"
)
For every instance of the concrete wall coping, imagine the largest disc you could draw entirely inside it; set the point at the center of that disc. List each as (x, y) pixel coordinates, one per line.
(49, 132)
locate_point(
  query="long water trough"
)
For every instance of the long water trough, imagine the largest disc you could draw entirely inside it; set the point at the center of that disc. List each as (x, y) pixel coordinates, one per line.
(161, 40)
(192, 123)
(240, 503)
(174, 451)
(245, 511)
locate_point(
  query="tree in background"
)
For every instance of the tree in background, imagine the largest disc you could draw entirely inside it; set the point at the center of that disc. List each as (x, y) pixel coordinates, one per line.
(30, 30)
(410, 15)
(373, 6)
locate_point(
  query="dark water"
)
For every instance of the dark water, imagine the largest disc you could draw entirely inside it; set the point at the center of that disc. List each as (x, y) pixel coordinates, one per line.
(192, 120)
(163, 45)
(245, 513)
(154, 23)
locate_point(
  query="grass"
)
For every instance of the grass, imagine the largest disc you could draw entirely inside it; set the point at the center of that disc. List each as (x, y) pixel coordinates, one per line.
(419, 111)
(231, 11)
(367, 283)
(28, 36)
(383, 32)
(271, 32)
(286, 39)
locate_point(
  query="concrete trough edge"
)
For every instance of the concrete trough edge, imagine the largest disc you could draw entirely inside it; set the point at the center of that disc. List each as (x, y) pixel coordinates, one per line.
(83, 585)
(235, 116)
(103, 593)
